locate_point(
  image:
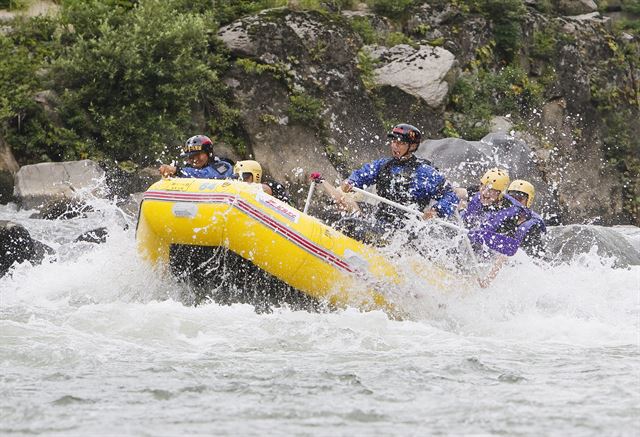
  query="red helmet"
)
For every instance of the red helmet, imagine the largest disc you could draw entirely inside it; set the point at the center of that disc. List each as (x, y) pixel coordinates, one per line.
(197, 144)
(406, 133)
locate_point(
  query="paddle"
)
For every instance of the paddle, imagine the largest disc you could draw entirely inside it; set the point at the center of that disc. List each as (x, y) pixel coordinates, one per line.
(312, 187)
(459, 228)
(408, 209)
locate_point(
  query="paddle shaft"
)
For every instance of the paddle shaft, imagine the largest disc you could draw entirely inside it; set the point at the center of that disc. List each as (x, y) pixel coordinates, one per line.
(309, 196)
(408, 209)
(460, 229)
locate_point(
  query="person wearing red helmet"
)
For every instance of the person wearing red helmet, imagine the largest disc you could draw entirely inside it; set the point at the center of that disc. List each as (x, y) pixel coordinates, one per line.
(200, 161)
(405, 178)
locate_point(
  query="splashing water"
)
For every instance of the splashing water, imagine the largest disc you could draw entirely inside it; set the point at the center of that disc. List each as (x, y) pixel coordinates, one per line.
(96, 342)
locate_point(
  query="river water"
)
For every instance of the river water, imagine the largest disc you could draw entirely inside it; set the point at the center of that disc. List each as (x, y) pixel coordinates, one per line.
(97, 343)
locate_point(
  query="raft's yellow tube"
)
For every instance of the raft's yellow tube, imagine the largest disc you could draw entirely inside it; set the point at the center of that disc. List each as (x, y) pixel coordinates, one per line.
(292, 246)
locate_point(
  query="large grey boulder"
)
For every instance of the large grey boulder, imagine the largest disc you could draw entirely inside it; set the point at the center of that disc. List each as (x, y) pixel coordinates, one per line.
(52, 182)
(576, 7)
(427, 72)
(565, 243)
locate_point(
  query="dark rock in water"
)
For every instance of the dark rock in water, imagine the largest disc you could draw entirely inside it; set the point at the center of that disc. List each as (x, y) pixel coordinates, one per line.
(16, 245)
(98, 235)
(40, 250)
(62, 209)
(564, 243)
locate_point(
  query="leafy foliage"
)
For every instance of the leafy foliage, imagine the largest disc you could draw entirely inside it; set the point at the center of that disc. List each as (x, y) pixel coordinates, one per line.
(544, 44)
(362, 26)
(632, 6)
(507, 17)
(23, 54)
(391, 8)
(618, 104)
(128, 77)
(367, 65)
(227, 11)
(478, 96)
(304, 108)
(13, 4)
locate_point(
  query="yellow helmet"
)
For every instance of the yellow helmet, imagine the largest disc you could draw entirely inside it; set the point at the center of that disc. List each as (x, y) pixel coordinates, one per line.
(496, 178)
(249, 166)
(523, 187)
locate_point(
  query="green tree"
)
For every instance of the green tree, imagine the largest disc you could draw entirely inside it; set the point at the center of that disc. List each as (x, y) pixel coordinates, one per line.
(391, 8)
(131, 83)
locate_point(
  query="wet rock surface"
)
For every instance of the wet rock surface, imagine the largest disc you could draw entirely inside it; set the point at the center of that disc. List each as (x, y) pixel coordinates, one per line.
(565, 243)
(17, 246)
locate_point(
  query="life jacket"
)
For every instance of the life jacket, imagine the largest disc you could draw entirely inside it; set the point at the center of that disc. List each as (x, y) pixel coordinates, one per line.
(534, 220)
(517, 220)
(477, 214)
(215, 169)
(397, 186)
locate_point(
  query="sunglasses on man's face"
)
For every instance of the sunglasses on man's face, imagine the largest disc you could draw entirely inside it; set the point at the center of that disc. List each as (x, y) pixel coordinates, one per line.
(518, 195)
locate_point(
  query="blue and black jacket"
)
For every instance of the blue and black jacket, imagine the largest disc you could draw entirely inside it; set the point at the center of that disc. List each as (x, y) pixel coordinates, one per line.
(410, 181)
(215, 169)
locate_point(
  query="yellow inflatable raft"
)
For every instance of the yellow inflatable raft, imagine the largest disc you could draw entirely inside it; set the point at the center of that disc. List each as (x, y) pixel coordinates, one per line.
(294, 247)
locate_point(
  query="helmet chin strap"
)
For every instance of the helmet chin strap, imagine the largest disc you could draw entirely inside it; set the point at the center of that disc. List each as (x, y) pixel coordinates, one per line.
(409, 154)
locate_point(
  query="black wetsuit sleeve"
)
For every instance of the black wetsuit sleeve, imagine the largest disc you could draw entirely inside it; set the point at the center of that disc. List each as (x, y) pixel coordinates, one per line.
(279, 191)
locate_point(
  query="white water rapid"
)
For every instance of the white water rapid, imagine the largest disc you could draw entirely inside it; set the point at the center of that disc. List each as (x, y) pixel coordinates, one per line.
(96, 343)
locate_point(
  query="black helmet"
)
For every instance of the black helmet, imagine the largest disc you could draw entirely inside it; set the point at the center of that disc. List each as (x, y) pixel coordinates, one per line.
(197, 144)
(406, 133)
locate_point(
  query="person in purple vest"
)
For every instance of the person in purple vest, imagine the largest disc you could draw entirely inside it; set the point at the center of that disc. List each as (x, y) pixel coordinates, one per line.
(200, 161)
(513, 227)
(488, 198)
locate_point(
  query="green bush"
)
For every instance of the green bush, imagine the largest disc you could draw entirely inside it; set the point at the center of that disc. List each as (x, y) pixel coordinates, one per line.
(23, 55)
(507, 17)
(132, 83)
(632, 6)
(13, 4)
(474, 113)
(304, 109)
(17, 79)
(367, 66)
(544, 44)
(390, 8)
(395, 38)
(478, 96)
(362, 26)
(227, 11)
